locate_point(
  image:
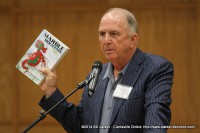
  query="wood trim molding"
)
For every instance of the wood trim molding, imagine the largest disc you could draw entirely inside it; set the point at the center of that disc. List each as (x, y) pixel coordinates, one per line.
(147, 5)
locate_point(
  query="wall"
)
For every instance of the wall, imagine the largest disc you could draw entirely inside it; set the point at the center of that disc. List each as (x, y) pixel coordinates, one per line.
(168, 28)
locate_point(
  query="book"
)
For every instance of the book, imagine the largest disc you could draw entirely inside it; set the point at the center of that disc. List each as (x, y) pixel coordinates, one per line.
(46, 51)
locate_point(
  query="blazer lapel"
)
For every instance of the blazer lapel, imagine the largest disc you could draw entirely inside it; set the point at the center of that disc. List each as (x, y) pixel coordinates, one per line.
(132, 73)
(99, 98)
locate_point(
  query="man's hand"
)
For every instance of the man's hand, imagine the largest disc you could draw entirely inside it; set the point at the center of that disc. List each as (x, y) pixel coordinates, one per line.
(49, 85)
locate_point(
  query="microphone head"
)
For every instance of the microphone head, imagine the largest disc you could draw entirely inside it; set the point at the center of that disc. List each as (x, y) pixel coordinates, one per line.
(98, 65)
(96, 70)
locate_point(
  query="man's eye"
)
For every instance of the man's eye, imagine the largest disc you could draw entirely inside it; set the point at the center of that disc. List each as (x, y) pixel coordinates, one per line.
(101, 34)
(114, 34)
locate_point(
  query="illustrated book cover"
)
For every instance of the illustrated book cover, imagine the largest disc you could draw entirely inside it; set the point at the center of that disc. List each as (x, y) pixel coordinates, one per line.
(46, 51)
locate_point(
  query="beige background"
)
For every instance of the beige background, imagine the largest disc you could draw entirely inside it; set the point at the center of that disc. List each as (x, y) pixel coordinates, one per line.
(170, 28)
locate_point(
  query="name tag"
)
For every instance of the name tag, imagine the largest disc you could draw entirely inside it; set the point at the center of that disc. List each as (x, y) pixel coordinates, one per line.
(122, 91)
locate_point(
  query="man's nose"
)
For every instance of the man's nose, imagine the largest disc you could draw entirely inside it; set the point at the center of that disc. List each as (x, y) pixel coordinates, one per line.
(107, 39)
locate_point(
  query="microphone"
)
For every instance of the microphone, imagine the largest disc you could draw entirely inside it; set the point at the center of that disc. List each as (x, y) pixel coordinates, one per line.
(96, 70)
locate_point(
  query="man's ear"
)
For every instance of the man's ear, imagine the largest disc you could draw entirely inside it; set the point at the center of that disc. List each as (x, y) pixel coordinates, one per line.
(134, 39)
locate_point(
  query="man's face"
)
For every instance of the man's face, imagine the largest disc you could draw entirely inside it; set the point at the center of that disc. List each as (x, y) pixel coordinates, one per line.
(114, 37)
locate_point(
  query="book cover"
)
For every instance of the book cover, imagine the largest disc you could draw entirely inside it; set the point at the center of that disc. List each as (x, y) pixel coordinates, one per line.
(46, 51)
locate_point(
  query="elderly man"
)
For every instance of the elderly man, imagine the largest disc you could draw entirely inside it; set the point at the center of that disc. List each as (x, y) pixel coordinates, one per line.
(133, 90)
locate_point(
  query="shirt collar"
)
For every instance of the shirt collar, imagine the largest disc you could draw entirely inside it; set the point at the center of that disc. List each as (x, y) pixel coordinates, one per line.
(109, 71)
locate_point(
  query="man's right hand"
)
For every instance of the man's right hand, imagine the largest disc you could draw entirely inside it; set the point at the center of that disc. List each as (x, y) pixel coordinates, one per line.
(49, 85)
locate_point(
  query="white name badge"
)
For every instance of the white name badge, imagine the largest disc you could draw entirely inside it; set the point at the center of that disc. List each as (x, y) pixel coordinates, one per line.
(122, 91)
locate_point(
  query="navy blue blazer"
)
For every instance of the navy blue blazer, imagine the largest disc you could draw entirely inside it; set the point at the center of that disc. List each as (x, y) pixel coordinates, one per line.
(145, 111)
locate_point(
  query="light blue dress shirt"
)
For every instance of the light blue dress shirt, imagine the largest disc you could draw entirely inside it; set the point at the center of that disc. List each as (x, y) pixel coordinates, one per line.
(109, 100)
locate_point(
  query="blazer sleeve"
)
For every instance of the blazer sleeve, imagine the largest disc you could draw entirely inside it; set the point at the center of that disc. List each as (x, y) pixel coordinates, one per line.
(158, 98)
(67, 114)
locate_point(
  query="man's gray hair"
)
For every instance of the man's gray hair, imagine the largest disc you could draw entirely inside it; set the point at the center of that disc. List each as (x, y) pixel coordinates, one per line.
(132, 23)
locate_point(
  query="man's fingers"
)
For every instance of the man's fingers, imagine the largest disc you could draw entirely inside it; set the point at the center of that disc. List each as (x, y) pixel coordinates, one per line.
(46, 71)
(54, 71)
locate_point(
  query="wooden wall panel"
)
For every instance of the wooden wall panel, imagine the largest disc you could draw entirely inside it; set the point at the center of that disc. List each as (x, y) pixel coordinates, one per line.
(58, 3)
(6, 70)
(168, 28)
(7, 3)
(6, 129)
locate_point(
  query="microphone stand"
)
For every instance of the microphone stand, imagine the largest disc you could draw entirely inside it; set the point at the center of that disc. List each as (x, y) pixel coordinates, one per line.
(43, 113)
